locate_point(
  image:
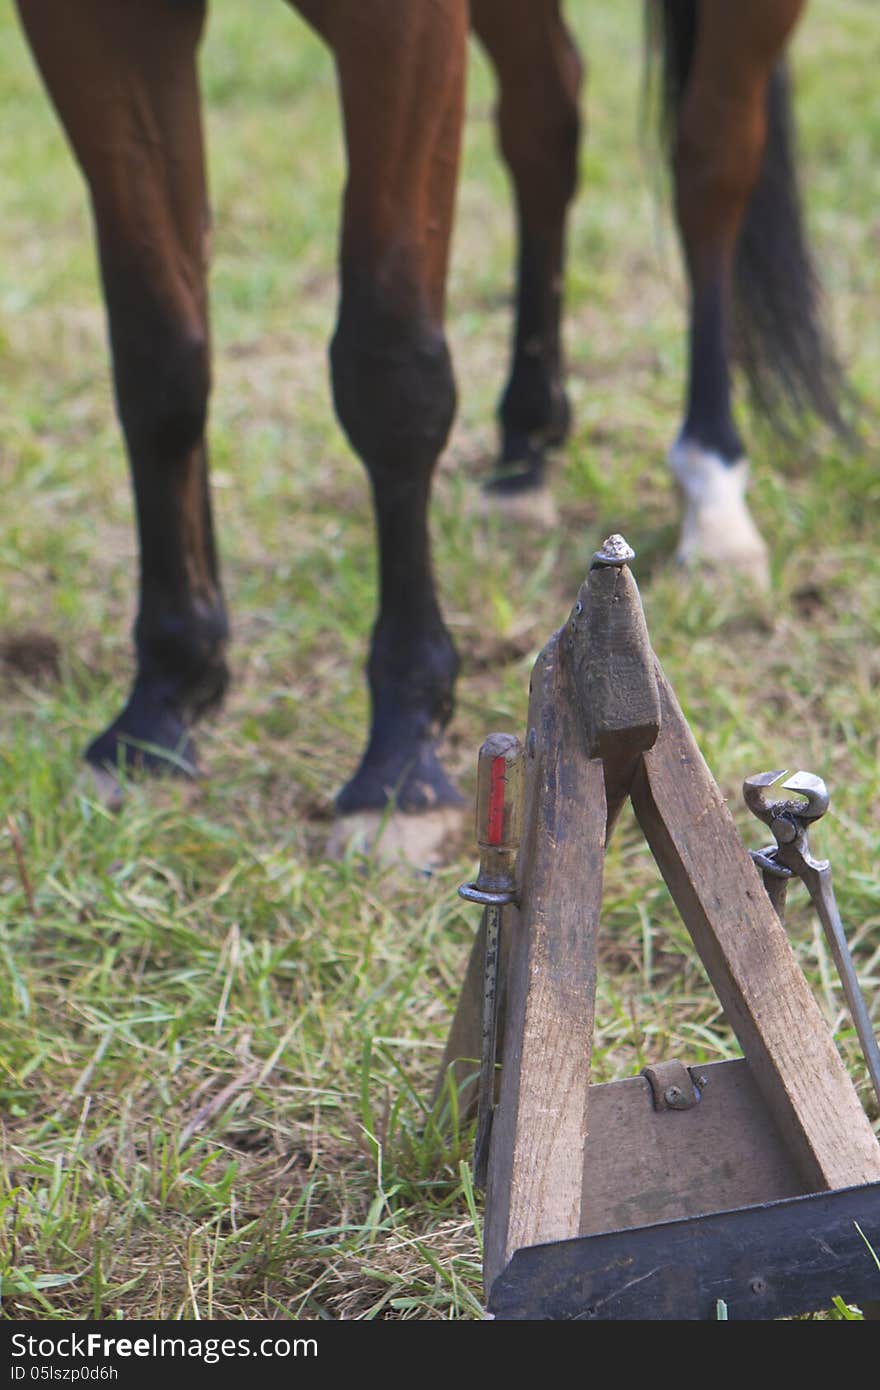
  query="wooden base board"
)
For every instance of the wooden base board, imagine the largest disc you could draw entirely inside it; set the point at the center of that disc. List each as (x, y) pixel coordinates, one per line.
(643, 1165)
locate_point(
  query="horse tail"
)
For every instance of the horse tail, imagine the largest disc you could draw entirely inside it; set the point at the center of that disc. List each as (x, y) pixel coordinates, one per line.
(779, 337)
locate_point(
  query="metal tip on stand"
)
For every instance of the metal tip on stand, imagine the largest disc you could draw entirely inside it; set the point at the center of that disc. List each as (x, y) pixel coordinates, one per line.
(615, 551)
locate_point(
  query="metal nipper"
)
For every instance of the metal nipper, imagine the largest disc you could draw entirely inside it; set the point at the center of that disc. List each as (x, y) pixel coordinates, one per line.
(789, 820)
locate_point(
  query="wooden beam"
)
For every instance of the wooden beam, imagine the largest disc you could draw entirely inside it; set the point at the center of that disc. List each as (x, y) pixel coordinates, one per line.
(643, 1165)
(462, 1051)
(750, 963)
(606, 677)
(536, 1156)
(607, 646)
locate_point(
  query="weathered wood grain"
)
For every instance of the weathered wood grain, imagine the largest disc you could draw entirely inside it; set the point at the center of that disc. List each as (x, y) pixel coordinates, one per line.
(606, 676)
(603, 723)
(613, 664)
(536, 1157)
(607, 645)
(746, 953)
(462, 1051)
(642, 1165)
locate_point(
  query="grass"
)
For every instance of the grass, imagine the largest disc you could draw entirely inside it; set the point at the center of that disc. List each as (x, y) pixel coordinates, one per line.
(215, 1045)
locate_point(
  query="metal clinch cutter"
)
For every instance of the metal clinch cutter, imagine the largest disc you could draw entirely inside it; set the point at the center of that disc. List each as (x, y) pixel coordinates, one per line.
(789, 821)
(747, 1188)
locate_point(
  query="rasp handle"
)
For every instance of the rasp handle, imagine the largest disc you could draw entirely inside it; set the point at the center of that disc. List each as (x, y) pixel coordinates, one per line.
(500, 771)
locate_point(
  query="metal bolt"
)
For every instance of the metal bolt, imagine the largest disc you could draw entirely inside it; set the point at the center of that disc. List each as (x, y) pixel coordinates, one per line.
(702, 1081)
(672, 1095)
(615, 551)
(758, 1285)
(784, 831)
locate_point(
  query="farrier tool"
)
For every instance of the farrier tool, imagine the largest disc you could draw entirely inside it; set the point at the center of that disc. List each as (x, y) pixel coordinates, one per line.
(660, 1194)
(498, 820)
(789, 820)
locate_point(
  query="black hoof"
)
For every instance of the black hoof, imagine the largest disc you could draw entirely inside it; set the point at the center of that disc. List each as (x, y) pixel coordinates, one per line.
(523, 463)
(522, 467)
(415, 784)
(149, 736)
(560, 422)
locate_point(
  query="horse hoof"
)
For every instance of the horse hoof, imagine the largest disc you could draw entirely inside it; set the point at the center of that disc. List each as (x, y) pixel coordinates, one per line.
(104, 787)
(422, 841)
(533, 506)
(717, 531)
(148, 737)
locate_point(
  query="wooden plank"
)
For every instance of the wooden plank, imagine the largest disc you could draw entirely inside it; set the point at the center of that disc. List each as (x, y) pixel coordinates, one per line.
(462, 1051)
(536, 1157)
(607, 645)
(613, 664)
(642, 1165)
(607, 674)
(746, 953)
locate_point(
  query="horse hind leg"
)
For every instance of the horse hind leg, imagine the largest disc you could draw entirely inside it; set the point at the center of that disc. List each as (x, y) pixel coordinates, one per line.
(123, 80)
(725, 57)
(392, 376)
(539, 75)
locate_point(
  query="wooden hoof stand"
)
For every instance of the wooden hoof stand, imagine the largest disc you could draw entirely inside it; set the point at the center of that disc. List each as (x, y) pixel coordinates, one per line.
(740, 1189)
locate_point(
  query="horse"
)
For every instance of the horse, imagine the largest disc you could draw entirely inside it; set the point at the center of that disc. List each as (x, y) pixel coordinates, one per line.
(122, 76)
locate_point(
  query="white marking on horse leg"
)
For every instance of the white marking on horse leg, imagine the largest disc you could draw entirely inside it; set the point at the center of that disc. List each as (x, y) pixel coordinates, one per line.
(717, 529)
(421, 840)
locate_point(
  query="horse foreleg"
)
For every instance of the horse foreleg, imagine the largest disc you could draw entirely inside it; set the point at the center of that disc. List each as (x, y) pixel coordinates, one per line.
(718, 152)
(401, 71)
(123, 80)
(539, 75)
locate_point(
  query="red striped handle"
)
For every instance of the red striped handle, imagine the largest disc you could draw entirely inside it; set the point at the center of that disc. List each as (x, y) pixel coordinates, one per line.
(499, 788)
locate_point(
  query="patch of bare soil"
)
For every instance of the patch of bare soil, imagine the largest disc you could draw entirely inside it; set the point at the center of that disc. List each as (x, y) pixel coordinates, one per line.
(34, 655)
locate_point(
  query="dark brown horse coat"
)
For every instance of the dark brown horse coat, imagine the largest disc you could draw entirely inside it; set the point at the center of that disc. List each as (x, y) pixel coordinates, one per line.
(122, 76)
